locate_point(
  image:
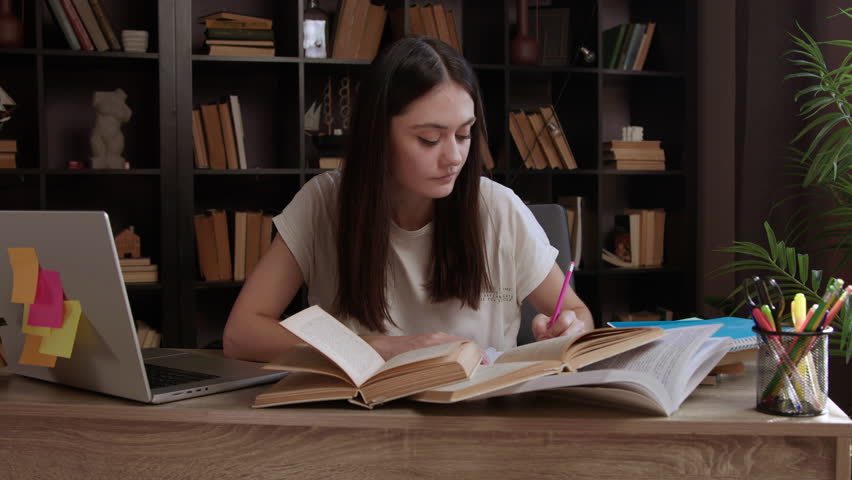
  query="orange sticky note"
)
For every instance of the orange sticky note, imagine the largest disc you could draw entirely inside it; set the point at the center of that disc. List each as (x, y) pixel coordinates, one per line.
(47, 310)
(27, 328)
(61, 340)
(24, 274)
(31, 355)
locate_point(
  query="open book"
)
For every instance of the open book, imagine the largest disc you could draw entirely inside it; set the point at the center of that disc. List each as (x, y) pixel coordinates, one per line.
(655, 377)
(337, 364)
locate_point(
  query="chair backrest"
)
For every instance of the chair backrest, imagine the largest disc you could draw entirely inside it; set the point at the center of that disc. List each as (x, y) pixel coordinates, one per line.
(555, 224)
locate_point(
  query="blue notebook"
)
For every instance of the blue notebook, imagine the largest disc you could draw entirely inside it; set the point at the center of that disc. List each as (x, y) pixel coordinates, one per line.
(738, 329)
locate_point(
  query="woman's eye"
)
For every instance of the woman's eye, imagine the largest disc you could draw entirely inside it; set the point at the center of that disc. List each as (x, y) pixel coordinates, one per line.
(426, 141)
(463, 137)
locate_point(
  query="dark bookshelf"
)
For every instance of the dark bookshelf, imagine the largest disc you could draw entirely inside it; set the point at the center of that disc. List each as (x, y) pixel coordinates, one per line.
(163, 190)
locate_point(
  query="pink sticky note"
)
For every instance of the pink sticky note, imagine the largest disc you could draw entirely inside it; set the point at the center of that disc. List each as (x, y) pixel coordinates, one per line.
(48, 308)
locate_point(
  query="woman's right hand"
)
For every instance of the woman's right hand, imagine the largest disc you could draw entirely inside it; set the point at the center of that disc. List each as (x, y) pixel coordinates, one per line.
(390, 346)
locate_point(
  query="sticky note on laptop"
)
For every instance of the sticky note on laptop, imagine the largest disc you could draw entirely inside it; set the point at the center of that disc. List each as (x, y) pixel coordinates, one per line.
(24, 274)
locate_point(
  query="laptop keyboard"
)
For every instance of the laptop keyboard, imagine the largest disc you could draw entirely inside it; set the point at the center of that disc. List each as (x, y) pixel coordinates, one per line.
(160, 376)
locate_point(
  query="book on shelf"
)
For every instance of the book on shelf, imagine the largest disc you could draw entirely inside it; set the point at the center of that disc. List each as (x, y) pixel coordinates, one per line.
(557, 133)
(251, 236)
(229, 34)
(656, 377)
(621, 144)
(337, 364)
(218, 135)
(147, 336)
(540, 140)
(626, 46)
(645, 154)
(628, 165)
(330, 162)
(638, 239)
(231, 20)
(77, 25)
(241, 51)
(105, 24)
(8, 160)
(358, 29)
(90, 22)
(139, 277)
(64, 24)
(134, 261)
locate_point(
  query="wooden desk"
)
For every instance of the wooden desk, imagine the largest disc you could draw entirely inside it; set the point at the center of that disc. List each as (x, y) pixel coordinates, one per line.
(48, 431)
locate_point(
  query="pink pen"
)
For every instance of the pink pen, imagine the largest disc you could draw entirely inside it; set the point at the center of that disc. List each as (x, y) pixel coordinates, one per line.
(561, 295)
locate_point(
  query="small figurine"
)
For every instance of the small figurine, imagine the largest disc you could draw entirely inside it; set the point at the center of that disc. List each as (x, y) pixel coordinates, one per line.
(128, 244)
(107, 140)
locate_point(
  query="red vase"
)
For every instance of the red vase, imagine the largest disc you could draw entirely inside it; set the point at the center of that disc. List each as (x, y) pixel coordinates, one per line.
(524, 48)
(11, 27)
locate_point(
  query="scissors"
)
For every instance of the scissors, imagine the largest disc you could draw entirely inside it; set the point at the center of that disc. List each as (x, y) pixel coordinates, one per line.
(763, 292)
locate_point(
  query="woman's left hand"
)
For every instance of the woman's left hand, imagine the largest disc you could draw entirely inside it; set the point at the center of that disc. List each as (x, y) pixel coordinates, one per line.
(566, 323)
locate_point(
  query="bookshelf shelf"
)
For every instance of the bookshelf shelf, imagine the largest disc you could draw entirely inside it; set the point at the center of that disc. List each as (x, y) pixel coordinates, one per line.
(53, 86)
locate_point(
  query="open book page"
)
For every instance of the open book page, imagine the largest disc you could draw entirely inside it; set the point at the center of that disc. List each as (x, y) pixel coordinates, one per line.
(489, 378)
(550, 349)
(300, 387)
(305, 358)
(666, 359)
(325, 333)
(421, 356)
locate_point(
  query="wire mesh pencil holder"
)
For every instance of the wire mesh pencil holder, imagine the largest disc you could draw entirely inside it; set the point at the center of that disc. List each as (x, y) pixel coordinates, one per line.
(792, 372)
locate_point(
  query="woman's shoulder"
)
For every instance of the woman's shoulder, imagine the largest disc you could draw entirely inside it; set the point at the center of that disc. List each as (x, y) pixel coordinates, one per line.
(498, 197)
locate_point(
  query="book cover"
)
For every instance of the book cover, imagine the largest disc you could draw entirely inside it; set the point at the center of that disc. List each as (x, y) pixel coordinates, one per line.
(64, 24)
(739, 329)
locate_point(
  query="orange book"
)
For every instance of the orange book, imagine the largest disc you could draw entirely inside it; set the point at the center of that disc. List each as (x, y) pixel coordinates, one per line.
(253, 227)
(542, 134)
(454, 34)
(429, 24)
(199, 149)
(265, 234)
(418, 27)
(558, 135)
(441, 23)
(521, 143)
(232, 160)
(223, 244)
(205, 244)
(213, 136)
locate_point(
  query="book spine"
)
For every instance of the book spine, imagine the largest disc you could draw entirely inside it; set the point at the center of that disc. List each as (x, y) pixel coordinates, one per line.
(104, 23)
(239, 34)
(77, 25)
(64, 24)
(91, 24)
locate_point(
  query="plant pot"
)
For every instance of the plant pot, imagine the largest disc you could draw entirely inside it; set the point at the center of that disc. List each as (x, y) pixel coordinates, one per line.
(524, 48)
(11, 27)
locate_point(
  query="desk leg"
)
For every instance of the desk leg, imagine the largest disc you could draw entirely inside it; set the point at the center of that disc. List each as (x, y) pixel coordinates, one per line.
(844, 458)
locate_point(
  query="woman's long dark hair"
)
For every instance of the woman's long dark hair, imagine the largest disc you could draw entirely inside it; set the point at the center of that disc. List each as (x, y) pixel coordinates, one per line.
(402, 73)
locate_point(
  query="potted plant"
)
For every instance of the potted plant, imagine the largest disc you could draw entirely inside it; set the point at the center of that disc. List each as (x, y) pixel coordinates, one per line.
(821, 160)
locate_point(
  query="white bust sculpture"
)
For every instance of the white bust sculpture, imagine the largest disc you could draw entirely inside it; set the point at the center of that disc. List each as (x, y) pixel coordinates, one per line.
(107, 140)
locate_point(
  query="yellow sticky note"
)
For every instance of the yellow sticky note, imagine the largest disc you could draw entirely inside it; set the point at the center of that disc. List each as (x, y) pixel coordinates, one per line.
(31, 355)
(26, 328)
(24, 274)
(61, 340)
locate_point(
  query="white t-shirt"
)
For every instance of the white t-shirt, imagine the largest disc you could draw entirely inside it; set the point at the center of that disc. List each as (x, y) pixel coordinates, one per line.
(519, 257)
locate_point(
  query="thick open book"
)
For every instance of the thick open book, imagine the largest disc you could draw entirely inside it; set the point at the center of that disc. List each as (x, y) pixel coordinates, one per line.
(337, 364)
(655, 377)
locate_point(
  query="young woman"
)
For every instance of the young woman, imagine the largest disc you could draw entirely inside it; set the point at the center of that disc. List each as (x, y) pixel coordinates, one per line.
(408, 245)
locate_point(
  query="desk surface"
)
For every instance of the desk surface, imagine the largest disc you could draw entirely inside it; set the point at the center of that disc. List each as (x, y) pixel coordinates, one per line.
(544, 422)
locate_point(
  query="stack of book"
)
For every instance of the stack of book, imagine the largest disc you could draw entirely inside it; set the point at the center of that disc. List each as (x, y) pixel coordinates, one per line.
(540, 139)
(358, 31)
(642, 155)
(84, 24)
(252, 235)
(433, 20)
(8, 151)
(138, 270)
(626, 46)
(638, 239)
(242, 35)
(218, 137)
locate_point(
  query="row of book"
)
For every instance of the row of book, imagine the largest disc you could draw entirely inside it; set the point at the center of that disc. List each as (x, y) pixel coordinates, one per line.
(638, 239)
(147, 336)
(358, 30)
(433, 20)
(640, 155)
(218, 135)
(8, 153)
(540, 140)
(229, 33)
(626, 45)
(138, 270)
(85, 24)
(252, 235)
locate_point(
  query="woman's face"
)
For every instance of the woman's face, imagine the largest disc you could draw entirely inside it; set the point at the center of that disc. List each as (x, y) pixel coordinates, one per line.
(430, 140)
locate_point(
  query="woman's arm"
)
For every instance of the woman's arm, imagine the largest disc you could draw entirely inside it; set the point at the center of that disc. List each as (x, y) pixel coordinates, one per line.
(574, 315)
(252, 331)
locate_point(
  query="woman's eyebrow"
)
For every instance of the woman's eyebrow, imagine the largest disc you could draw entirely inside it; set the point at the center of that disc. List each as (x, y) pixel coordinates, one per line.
(440, 126)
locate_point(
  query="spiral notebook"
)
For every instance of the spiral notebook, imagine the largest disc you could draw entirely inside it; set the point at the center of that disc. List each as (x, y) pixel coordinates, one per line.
(739, 329)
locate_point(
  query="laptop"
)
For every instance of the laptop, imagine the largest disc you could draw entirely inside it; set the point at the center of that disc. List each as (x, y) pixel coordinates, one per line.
(106, 357)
